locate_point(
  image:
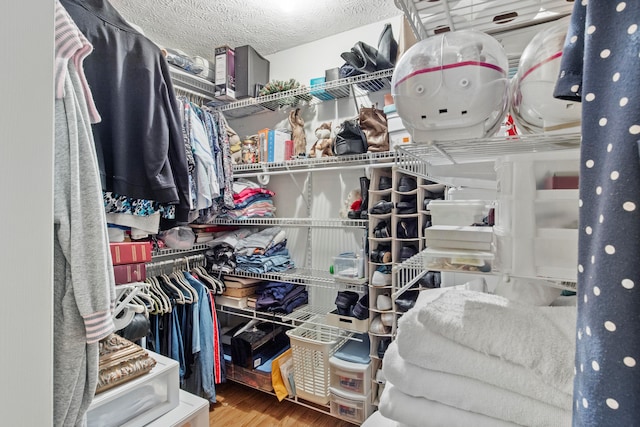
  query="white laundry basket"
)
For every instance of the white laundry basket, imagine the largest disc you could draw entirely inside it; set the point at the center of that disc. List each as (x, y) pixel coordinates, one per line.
(312, 345)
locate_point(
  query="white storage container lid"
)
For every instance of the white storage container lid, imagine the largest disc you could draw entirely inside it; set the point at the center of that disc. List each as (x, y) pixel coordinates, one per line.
(458, 204)
(457, 254)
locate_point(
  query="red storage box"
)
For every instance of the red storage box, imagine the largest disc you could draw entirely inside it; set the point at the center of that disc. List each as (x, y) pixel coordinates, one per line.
(130, 252)
(128, 273)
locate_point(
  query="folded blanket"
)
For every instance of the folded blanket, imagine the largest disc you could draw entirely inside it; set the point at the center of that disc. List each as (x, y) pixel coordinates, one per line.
(417, 411)
(469, 394)
(423, 347)
(538, 338)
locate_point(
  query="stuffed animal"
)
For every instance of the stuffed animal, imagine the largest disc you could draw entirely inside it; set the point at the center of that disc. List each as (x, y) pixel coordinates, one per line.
(323, 146)
(353, 201)
(297, 131)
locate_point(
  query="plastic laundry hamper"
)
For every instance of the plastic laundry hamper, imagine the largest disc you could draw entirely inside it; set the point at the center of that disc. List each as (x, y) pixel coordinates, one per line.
(312, 345)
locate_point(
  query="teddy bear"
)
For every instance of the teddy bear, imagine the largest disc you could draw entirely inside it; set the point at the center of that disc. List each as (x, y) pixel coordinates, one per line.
(323, 146)
(351, 203)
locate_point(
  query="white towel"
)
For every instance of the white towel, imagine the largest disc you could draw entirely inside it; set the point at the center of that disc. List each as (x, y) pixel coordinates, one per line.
(418, 411)
(537, 338)
(427, 349)
(469, 394)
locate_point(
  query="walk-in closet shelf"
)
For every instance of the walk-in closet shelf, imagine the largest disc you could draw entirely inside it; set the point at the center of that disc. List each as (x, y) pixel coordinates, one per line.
(429, 17)
(294, 222)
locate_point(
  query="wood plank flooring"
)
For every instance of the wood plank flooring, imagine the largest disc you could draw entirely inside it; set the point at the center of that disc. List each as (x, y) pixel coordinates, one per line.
(241, 406)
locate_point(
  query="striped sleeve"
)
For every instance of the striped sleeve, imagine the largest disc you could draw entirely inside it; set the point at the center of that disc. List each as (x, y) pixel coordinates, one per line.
(71, 44)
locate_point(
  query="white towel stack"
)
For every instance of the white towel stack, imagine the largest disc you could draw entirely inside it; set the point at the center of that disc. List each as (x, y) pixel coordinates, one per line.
(465, 358)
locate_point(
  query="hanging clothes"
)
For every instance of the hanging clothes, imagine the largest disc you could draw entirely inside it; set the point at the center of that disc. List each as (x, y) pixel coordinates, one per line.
(139, 141)
(84, 286)
(601, 68)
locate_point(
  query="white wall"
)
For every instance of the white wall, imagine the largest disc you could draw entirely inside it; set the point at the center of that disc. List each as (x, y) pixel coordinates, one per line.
(312, 59)
(26, 216)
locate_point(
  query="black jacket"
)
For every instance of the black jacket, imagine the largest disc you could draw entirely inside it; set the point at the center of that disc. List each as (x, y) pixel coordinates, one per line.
(139, 142)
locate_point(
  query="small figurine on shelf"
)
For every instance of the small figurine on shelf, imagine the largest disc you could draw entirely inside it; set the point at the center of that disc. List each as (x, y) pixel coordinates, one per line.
(297, 132)
(323, 146)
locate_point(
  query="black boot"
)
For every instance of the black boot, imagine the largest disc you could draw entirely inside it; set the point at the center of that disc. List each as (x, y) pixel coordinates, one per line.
(364, 191)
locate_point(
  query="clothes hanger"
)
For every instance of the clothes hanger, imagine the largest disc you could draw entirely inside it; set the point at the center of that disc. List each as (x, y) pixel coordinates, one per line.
(165, 280)
(181, 281)
(164, 304)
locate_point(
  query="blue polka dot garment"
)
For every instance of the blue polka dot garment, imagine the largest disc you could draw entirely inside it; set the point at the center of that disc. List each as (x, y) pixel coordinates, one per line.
(601, 68)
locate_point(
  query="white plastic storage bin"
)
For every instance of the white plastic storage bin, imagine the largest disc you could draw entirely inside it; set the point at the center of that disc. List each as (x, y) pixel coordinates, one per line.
(350, 406)
(311, 346)
(458, 260)
(459, 237)
(139, 401)
(458, 212)
(193, 411)
(350, 377)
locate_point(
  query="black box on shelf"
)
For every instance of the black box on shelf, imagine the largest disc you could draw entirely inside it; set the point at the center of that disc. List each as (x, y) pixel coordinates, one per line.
(252, 72)
(255, 346)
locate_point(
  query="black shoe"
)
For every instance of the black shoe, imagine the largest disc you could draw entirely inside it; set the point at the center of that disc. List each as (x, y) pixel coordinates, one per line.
(361, 309)
(407, 300)
(382, 230)
(381, 207)
(404, 208)
(345, 300)
(407, 252)
(406, 184)
(382, 347)
(384, 183)
(407, 228)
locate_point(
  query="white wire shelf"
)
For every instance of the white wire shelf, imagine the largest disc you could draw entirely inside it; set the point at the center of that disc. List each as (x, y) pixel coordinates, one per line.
(423, 159)
(191, 84)
(429, 17)
(361, 85)
(306, 276)
(294, 222)
(369, 159)
(168, 252)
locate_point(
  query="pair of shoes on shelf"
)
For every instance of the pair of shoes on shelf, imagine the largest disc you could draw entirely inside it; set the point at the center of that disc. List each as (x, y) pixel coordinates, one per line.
(345, 300)
(361, 309)
(381, 207)
(407, 206)
(407, 300)
(382, 347)
(407, 252)
(384, 183)
(380, 279)
(382, 230)
(382, 255)
(430, 280)
(379, 328)
(383, 302)
(407, 184)
(407, 228)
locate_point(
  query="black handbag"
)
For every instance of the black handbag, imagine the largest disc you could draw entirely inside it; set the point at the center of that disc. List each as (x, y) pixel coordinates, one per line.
(349, 139)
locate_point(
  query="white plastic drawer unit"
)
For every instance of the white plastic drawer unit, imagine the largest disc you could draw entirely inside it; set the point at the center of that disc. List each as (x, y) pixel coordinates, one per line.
(350, 376)
(350, 406)
(458, 212)
(139, 401)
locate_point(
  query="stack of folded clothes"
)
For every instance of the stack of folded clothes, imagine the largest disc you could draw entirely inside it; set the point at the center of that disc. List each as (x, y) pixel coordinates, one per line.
(467, 358)
(221, 255)
(263, 251)
(251, 201)
(281, 297)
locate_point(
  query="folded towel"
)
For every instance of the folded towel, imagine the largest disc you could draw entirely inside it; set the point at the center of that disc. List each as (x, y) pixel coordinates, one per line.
(417, 411)
(538, 338)
(427, 349)
(469, 394)
(378, 420)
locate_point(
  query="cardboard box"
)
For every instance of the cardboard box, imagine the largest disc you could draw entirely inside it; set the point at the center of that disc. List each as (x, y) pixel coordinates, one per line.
(252, 72)
(130, 252)
(129, 273)
(225, 75)
(240, 292)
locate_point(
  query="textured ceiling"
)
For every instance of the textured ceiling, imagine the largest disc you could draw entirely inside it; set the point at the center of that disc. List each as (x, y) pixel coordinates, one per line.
(198, 26)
